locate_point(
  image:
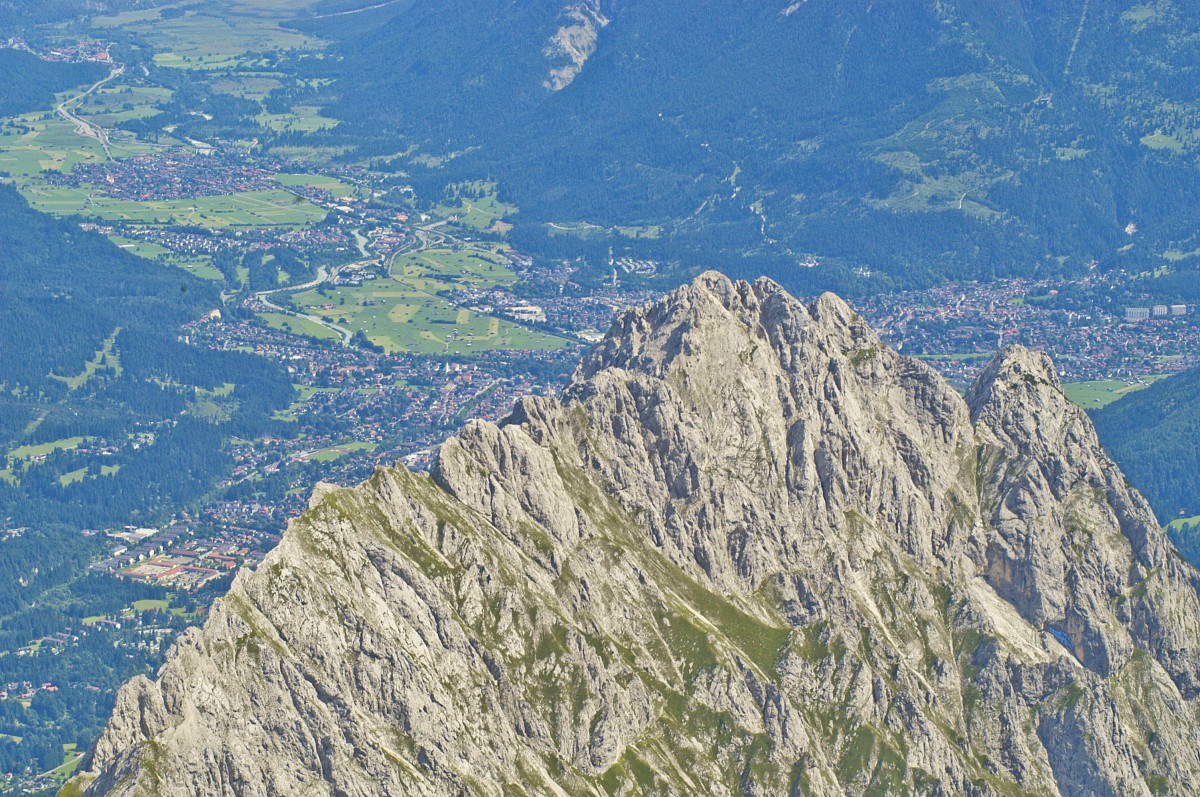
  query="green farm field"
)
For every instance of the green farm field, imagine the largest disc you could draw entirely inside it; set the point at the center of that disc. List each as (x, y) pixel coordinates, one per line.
(150, 251)
(334, 186)
(314, 153)
(199, 265)
(298, 326)
(214, 39)
(1179, 523)
(445, 268)
(42, 449)
(247, 85)
(302, 119)
(111, 105)
(67, 479)
(587, 230)
(39, 142)
(405, 313)
(48, 144)
(272, 208)
(1094, 395)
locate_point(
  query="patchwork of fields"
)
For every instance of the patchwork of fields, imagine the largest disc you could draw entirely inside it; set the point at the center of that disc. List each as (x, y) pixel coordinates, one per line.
(1094, 395)
(402, 312)
(406, 313)
(247, 209)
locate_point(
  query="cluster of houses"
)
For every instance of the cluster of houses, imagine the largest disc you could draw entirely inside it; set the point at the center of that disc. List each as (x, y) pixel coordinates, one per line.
(24, 690)
(959, 326)
(139, 544)
(174, 557)
(194, 565)
(96, 51)
(147, 178)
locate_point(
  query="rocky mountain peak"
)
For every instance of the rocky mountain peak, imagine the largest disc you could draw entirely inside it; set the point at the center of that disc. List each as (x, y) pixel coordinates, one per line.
(750, 550)
(1017, 375)
(724, 315)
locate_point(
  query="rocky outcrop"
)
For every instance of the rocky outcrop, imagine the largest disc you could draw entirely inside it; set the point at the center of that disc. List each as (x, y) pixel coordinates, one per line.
(750, 550)
(573, 43)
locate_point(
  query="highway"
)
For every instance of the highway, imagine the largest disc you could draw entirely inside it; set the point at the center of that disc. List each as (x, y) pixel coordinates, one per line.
(323, 275)
(82, 126)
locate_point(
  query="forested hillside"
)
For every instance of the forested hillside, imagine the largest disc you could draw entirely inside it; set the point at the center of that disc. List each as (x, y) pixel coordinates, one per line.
(106, 419)
(919, 141)
(31, 83)
(20, 16)
(1153, 436)
(91, 355)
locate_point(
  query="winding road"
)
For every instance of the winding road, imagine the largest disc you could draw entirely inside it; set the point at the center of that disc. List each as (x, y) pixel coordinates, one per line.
(323, 275)
(384, 4)
(82, 126)
(424, 237)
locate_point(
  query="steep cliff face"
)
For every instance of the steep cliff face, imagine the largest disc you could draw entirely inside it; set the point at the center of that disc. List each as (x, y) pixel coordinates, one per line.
(751, 550)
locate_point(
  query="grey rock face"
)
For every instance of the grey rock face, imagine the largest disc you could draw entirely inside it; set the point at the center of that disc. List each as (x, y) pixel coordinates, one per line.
(751, 550)
(573, 43)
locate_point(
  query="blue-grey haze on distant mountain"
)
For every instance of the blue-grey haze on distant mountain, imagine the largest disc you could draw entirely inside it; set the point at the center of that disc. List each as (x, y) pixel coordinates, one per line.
(919, 140)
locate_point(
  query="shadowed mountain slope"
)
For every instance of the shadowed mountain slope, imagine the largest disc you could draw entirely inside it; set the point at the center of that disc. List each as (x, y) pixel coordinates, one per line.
(921, 140)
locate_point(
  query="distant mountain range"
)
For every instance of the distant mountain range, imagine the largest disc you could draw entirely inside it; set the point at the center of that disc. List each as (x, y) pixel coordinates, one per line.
(916, 140)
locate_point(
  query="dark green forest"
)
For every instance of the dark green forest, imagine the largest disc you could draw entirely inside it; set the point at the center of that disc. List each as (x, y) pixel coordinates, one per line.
(67, 295)
(30, 83)
(1153, 435)
(22, 16)
(147, 450)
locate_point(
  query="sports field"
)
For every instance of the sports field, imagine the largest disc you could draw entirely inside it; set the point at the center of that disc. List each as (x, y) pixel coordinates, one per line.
(337, 452)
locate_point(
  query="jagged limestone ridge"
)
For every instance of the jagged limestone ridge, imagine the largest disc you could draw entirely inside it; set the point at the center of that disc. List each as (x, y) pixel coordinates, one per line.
(752, 550)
